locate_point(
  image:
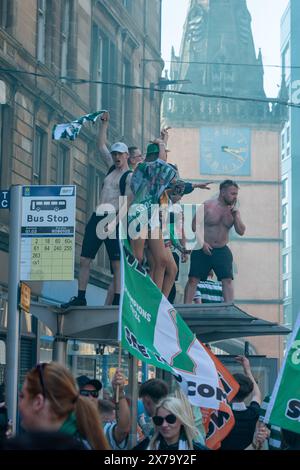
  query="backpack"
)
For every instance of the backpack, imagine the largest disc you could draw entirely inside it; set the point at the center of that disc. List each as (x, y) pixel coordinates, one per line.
(122, 182)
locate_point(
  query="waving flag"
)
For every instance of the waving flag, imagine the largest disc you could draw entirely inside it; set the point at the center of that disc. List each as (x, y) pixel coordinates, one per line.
(153, 331)
(219, 423)
(284, 406)
(70, 130)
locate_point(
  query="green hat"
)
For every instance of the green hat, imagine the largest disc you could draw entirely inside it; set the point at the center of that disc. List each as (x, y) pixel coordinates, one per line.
(152, 148)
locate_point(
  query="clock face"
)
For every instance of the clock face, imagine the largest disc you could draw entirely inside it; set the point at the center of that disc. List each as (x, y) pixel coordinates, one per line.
(225, 151)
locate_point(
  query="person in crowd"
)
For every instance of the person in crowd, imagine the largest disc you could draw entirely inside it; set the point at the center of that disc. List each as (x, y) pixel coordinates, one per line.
(115, 184)
(149, 183)
(260, 437)
(89, 387)
(3, 414)
(116, 430)
(42, 440)
(135, 157)
(176, 238)
(246, 417)
(107, 411)
(209, 291)
(107, 395)
(174, 235)
(220, 216)
(50, 402)
(150, 393)
(153, 182)
(174, 428)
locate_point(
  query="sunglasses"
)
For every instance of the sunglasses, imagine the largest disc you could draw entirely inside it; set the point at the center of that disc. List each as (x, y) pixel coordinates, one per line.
(40, 368)
(158, 420)
(87, 393)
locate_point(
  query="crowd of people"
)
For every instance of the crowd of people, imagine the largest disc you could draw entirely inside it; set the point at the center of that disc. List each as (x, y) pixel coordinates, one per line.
(157, 238)
(59, 412)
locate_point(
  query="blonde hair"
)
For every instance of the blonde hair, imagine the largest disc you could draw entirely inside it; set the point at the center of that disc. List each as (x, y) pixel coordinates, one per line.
(183, 412)
(60, 389)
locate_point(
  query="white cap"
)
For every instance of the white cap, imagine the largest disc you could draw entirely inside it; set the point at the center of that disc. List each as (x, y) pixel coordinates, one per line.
(119, 147)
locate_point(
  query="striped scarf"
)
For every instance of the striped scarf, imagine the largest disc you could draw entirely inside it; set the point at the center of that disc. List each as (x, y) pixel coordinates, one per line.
(275, 436)
(70, 130)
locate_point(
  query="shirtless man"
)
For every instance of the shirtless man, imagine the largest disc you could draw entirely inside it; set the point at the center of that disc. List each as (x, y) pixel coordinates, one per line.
(219, 216)
(117, 163)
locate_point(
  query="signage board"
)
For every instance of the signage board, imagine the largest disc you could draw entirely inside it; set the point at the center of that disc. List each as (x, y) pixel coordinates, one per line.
(48, 233)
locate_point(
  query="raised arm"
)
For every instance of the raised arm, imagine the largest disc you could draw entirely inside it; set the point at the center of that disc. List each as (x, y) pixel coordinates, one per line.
(239, 226)
(256, 394)
(102, 140)
(122, 428)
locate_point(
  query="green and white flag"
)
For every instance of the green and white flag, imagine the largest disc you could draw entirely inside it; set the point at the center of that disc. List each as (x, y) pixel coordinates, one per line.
(284, 406)
(153, 331)
(70, 130)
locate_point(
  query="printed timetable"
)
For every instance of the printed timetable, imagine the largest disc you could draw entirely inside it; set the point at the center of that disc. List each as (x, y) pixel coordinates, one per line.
(48, 233)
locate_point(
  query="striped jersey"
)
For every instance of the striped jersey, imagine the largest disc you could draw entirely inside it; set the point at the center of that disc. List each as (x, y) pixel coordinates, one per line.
(209, 292)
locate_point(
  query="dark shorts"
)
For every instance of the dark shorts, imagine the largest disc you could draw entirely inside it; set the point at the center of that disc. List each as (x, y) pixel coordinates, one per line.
(220, 261)
(91, 243)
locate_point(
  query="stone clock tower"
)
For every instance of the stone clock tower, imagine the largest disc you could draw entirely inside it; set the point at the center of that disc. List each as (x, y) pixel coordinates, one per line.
(225, 128)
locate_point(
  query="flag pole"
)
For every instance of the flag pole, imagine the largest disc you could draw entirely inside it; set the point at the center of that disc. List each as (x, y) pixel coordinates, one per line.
(120, 312)
(119, 367)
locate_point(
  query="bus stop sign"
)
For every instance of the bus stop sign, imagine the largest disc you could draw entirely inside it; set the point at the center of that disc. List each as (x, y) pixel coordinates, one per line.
(48, 233)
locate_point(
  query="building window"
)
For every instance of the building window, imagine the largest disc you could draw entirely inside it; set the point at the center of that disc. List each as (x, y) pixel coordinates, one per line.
(288, 315)
(97, 66)
(109, 73)
(41, 31)
(285, 188)
(285, 288)
(127, 4)
(65, 37)
(125, 99)
(4, 6)
(216, 78)
(39, 146)
(288, 134)
(284, 213)
(285, 264)
(63, 159)
(285, 238)
(286, 62)
(282, 140)
(44, 32)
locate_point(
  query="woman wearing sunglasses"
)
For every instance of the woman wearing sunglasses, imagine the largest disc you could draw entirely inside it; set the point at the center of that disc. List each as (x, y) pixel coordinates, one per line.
(174, 428)
(50, 401)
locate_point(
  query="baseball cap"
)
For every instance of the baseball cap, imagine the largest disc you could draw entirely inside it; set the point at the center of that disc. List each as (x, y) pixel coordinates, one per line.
(152, 148)
(83, 380)
(119, 147)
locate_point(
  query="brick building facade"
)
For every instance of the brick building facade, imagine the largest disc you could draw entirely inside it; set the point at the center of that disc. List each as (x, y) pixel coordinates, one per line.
(42, 41)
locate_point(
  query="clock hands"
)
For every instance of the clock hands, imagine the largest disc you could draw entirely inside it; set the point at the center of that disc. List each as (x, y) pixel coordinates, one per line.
(234, 152)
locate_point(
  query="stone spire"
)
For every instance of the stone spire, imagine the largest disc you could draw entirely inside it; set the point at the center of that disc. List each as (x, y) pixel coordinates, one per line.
(217, 56)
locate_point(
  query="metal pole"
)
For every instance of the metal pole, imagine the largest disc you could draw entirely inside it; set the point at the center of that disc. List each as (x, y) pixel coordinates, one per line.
(13, 319)
(133, 385)
(60, 350)
(105, 370)
(144, 371)
(59, 353)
